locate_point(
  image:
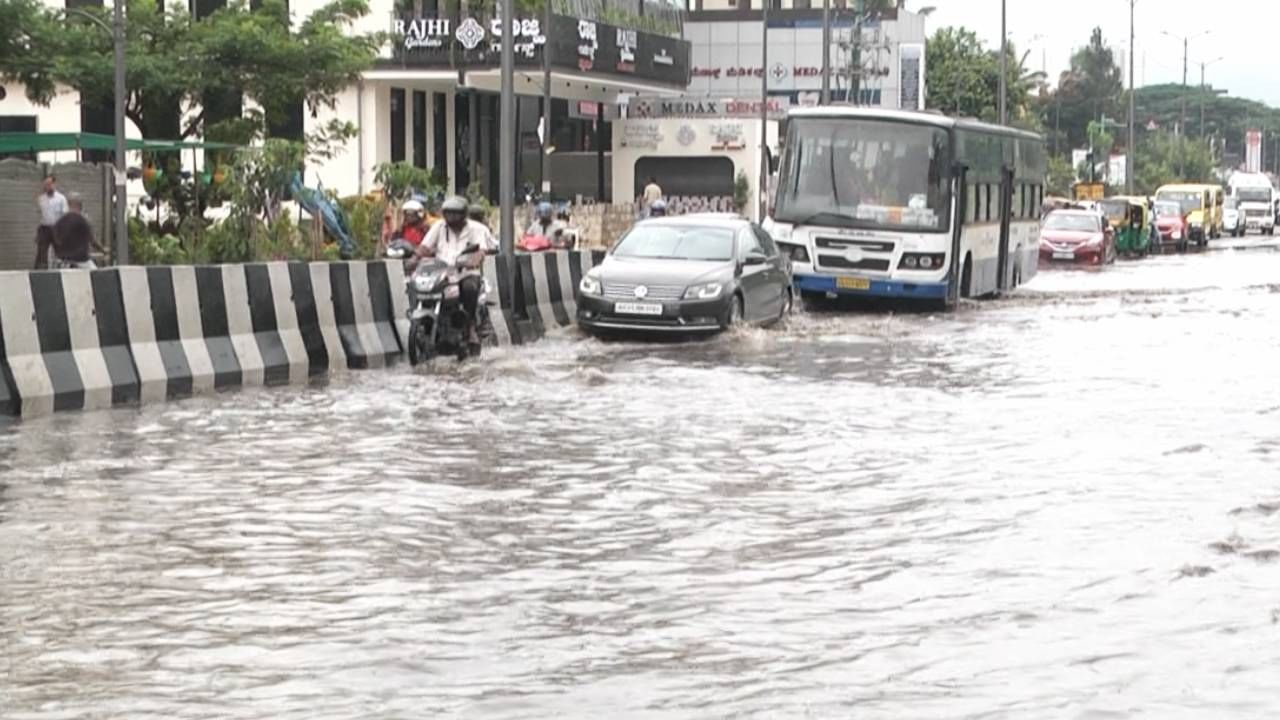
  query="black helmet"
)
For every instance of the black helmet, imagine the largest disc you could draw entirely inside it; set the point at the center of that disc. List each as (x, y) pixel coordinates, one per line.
(455, 204)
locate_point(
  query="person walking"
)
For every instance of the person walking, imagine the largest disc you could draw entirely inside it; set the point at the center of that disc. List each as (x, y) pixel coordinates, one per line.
(52, 205)
(73, 237)
(652, 192)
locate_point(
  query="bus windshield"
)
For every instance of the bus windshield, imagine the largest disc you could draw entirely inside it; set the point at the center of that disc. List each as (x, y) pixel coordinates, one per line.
(873, 174)
(1254, 194)
(1188, 200)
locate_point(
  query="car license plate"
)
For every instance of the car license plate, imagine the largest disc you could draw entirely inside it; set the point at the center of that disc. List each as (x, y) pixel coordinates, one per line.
(852, 283)
(637, 308)
(1064, 255)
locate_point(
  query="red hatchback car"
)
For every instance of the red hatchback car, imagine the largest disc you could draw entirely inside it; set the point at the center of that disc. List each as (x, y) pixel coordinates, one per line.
(1077, 236)
(1172, 226)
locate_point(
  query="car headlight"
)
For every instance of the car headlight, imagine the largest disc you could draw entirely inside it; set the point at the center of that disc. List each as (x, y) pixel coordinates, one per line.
(1177, 235)
(589, 285)
(709, 291)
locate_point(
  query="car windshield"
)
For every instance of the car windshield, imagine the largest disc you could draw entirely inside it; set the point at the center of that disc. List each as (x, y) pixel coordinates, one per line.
(1071, 223)
(1115, 210)
(1168, 209)
(1188, 200)
(677, 242)
(873, 174)
(1254, 194)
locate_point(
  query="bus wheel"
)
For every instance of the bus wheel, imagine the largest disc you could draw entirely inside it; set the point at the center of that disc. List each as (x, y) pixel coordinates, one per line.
(966, 277)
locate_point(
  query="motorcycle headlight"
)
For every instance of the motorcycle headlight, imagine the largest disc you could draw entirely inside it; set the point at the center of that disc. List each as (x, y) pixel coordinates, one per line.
(1177, 235)
(426, 282)
(395, 253)
(589, 285)
(709, 291)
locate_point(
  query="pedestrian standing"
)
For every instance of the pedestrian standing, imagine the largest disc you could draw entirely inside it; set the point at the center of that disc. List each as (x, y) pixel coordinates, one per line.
(652, 193)
(53, 205)
(73, 237)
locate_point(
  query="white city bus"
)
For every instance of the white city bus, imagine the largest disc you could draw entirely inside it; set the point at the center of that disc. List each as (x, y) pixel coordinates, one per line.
(909, 205)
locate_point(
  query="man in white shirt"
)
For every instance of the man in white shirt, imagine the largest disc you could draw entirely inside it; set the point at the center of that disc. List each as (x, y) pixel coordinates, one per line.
(449, 239)
(53, 205)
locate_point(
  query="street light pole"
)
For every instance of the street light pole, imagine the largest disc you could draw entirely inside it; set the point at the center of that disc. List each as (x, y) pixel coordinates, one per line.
(1182, 114)
(1204, 90)
(1131, 154)
(507, 146)
(121, 244)
(1004, 64)
(763, 207)
(826, 52)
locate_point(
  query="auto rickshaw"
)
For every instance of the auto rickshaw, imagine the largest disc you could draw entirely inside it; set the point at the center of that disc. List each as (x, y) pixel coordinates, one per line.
(1131, 219)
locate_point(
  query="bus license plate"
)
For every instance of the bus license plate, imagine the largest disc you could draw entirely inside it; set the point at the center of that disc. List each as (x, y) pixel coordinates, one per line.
(1064, 255)
(852, 283)
(637, 308)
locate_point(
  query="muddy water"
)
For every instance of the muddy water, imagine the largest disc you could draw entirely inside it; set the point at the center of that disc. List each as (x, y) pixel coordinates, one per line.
(1064, 504)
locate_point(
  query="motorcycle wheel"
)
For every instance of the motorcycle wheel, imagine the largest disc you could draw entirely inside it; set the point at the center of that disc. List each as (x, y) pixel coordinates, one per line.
(420, 346)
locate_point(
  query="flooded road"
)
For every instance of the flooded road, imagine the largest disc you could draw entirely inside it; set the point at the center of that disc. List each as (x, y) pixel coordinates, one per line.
(1063, 504)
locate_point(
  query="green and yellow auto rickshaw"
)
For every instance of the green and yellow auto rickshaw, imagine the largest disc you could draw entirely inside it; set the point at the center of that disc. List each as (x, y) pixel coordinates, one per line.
(1130, 217)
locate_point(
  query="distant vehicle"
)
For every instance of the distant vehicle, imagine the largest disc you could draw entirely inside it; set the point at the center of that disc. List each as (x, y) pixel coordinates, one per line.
(1171, 226)
(1077, 236)
(887, 203)
(687, 274)
(1232, 222)
(1201, 206)
(1131, 222)
(1256, 201)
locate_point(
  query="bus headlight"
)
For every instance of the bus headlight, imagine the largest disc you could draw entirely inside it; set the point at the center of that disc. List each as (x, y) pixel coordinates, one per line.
(922, 261)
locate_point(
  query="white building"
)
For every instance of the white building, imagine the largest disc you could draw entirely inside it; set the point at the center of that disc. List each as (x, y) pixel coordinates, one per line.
(432, 97)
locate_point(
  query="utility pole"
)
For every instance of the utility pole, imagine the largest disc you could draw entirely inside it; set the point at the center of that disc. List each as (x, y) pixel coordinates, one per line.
(1131, 154)
(763, 205)
(507, 146)
(1182, 115)
(826, 52)
(1004, 64)
(1204, 90)
(544, 162)
(121, 179)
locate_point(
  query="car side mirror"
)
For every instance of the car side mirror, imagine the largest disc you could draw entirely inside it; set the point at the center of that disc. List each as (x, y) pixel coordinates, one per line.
(755, 258)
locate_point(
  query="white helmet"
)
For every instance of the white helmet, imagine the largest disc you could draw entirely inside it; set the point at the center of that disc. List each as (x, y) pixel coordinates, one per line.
(412, 206)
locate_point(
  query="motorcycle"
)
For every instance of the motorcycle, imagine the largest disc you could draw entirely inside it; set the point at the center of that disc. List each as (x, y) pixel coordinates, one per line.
(438, 322)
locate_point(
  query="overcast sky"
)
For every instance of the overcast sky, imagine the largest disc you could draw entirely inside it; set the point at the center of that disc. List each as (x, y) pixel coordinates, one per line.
(1242, 32)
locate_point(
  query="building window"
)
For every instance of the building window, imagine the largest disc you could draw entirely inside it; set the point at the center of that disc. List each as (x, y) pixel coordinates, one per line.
(397, 124)
(419, 129)
(802, 4)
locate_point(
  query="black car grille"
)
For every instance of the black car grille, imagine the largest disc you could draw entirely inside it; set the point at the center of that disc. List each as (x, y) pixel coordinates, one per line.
(836, 261)
(655, 293)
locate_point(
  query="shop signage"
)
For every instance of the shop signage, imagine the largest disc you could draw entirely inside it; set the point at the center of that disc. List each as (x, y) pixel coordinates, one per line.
(728, 136)
(777, 71)
(911, 76)
(705, 107)
(626, 50)
(434, 33)
(587, 44)
(686, 135)
(641, 135)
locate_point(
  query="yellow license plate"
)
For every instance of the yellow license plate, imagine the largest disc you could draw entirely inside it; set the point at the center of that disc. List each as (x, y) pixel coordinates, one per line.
(851, 283)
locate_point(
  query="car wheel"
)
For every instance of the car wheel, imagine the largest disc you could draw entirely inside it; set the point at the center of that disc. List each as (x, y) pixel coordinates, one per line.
(734, 316)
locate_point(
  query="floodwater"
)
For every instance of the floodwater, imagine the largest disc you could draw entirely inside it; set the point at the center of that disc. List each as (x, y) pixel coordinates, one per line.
(1062, 504)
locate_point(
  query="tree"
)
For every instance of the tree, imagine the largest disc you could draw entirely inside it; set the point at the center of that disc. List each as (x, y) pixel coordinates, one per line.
(963, 78)
(1159, 156)
(26, 30)
(175, 61)
(1092, 88)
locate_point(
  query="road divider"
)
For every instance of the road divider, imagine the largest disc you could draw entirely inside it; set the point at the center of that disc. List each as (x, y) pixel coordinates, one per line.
(81, 339)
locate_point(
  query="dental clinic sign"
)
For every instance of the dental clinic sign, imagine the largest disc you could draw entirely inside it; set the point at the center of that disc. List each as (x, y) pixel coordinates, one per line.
(470, 34)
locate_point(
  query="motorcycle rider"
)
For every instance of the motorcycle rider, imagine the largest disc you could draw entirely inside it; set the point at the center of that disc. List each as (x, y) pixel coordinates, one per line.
(448, 240)
(545, 223)
(414, 226)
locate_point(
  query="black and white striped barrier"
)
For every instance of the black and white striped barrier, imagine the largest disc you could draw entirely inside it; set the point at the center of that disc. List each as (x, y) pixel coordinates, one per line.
(90, 339)
(550, 286)
(502, 313)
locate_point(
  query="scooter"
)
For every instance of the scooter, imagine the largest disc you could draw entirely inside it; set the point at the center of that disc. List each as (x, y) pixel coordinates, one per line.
(438, 322)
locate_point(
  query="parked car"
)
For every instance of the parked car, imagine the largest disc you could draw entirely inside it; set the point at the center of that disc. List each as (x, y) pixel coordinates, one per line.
(687, 274)
(1172, 226)
(1077, 236)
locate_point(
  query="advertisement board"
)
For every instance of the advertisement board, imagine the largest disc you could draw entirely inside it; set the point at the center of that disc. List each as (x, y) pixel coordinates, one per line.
(1253, 151)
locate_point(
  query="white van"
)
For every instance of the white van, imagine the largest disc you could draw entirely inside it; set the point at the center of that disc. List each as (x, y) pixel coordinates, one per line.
(1256, 198)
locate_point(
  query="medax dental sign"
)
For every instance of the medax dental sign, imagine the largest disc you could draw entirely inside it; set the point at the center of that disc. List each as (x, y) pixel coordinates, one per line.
(434, 33)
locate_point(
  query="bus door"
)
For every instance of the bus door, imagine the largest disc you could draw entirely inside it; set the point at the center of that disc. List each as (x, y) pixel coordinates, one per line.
(960, 193)
(1006, 211)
